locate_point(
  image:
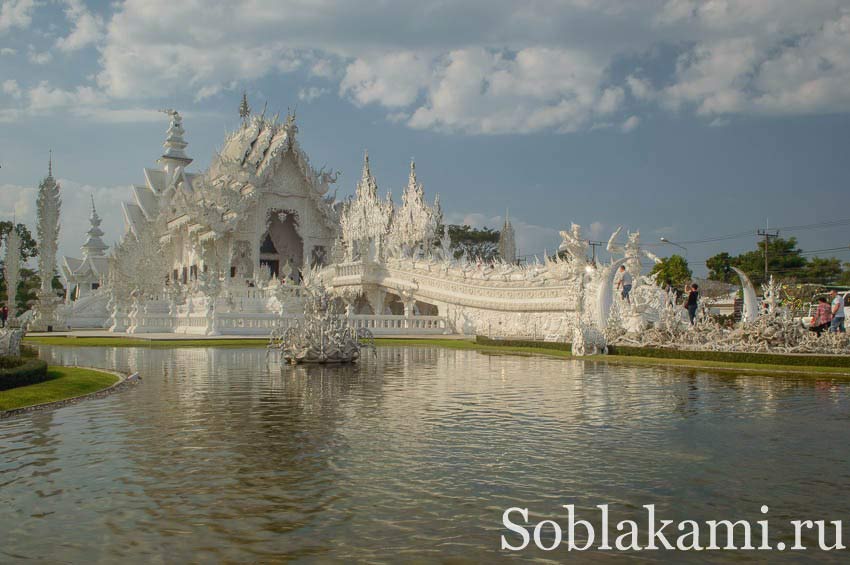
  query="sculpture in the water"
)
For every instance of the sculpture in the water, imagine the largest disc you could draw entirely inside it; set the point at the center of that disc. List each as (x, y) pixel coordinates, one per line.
(324, 335)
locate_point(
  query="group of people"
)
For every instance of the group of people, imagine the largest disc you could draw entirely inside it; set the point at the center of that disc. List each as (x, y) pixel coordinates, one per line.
(829, 314)
(624, 281)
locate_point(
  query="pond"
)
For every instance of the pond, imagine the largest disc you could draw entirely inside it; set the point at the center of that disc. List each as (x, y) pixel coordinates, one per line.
(224, 454)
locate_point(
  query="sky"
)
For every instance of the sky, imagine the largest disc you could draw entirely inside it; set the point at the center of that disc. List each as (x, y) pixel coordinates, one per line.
(682, 119)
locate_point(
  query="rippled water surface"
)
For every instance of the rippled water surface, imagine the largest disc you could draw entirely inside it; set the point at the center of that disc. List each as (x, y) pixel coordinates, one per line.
(222, 454)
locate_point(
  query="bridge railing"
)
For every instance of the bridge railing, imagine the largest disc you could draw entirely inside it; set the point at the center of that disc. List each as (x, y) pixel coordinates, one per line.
(388, 324)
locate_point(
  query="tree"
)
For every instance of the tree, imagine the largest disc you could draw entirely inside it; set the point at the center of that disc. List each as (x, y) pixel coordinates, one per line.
(672, 271)
(784, 259)
(821, 270)
(844, 278)
(480, 243)
(29, 282)
(29, 249)
(720, 268)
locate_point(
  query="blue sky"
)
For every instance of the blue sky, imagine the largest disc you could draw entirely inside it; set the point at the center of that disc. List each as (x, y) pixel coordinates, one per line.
(683, 119)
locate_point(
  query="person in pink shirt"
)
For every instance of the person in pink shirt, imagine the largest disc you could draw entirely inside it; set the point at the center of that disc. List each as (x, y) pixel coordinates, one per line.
(822, 317)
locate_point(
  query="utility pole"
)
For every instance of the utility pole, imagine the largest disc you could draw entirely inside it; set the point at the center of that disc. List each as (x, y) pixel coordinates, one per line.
(594, 245)
(767, 234)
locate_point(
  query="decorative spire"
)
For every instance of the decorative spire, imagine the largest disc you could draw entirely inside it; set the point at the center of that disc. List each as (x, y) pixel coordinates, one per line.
(94, 246)
(367, 187)
(244, 108)
(174, 143)
(48, 204)
(507, 241)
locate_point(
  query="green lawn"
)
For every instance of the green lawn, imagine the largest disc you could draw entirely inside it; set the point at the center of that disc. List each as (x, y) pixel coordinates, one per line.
(63, 382)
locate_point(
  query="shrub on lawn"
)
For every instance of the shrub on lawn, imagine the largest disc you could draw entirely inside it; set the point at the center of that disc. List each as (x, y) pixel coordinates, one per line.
(18, 371)
(733, 356)
(560, 346)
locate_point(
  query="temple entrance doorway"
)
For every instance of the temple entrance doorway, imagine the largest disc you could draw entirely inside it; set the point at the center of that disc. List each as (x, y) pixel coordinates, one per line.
(281, 245)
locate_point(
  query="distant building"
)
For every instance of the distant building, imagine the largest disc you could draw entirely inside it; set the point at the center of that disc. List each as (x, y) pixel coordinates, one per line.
(507, 241)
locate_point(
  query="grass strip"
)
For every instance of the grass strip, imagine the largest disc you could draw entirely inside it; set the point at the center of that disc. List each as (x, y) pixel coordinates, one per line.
(62, 383)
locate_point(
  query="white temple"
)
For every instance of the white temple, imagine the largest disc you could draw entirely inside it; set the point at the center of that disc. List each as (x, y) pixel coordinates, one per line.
(228, 250)
(84, 276)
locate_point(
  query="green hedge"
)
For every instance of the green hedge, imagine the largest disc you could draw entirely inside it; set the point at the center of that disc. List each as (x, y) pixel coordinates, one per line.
(733, 357)
(17, 371)
(660, 353)
(557, 345)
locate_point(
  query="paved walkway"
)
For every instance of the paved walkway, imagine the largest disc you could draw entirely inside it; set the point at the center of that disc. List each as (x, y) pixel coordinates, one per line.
(174, 337)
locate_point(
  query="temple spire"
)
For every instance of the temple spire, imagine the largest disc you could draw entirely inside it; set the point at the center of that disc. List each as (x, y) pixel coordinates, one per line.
(507, 241)
(244, 108)
(367, 185)
(94, 246)
(50, 165)
(174, 143)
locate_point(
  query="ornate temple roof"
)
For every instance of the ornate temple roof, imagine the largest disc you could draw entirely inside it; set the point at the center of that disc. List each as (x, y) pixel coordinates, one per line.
(94, 246)
(213, 202)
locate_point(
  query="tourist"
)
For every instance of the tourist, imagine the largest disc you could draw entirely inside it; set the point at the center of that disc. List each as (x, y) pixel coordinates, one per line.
(624, 283)
(692, 302)
(837, 323)
(4, 315)
(822, 317)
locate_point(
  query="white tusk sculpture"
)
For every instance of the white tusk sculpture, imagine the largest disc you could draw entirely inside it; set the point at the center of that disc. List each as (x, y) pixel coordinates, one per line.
(750, 313)
(605, 296)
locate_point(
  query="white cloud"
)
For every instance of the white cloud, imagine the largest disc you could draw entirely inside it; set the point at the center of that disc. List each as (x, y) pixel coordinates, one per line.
(479, 66)
(17, 201)
(392, 80)
(630, 124)
(8, 51)
(87, 28)
(311, 93)
(323, 68)
(16, 14)
(12, 88)
(597, 230)
(83, 101)
(39, 58)
(481, 91)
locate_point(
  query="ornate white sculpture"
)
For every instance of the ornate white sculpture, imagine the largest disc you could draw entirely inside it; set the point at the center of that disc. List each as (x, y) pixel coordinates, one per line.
(13, 271)
(48, 206)
(324, 335)
(415, 223)
(632, 250)
(751, 309)
(365, 220)
(575, 246)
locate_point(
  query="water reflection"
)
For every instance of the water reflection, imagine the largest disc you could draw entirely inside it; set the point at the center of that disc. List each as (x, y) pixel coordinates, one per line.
(225, 454)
